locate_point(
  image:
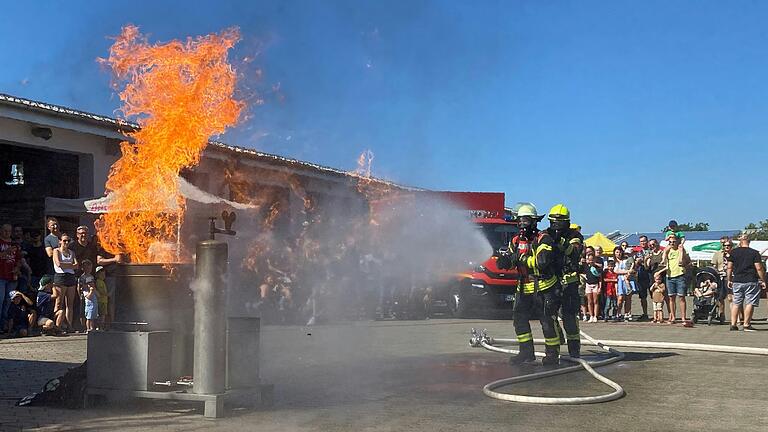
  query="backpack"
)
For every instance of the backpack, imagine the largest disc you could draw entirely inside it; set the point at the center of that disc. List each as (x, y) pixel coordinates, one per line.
(67, 390)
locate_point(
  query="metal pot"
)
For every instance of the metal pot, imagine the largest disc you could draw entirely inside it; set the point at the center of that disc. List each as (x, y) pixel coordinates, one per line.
(157, 297)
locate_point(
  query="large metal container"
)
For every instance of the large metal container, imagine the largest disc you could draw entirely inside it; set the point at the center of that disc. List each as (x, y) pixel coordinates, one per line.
(243, 337)
(157, 297)
(128, 360)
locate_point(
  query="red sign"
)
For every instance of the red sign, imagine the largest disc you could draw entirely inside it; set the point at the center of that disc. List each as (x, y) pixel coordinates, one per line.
(480, 204)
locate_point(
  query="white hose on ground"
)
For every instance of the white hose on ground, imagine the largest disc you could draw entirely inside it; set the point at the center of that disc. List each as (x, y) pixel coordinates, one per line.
(618, 391)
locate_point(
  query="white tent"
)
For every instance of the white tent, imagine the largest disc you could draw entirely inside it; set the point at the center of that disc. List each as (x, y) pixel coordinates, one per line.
(758, 245)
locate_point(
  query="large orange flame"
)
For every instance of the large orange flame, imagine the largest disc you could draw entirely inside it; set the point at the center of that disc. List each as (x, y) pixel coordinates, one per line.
(180, 93)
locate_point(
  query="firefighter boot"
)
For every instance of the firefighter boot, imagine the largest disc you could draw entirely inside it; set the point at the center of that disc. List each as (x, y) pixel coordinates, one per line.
(560, 332)
(525, 355)
(574, 348)
(552, 357)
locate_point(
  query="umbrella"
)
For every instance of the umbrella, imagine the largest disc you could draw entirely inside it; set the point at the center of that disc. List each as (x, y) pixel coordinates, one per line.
(708, 247)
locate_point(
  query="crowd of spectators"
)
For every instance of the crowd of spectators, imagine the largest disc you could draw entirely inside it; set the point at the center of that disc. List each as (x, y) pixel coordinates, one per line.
(668, 276)
(53, 285)
(62, 284)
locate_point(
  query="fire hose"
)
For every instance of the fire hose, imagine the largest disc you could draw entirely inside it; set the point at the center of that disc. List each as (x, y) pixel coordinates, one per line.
(481, 339)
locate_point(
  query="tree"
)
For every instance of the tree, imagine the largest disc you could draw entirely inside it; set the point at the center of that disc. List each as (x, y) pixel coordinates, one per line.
(698, 226)
(757, 231)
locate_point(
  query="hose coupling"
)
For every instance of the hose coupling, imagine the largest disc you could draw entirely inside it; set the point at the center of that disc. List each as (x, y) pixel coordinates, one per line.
(476, 338)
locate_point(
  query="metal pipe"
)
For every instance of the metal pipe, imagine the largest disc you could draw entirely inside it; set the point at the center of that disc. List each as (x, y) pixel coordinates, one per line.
(210, 294)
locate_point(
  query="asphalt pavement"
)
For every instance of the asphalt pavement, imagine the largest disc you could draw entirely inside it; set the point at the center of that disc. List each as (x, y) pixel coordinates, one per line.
(423, 376)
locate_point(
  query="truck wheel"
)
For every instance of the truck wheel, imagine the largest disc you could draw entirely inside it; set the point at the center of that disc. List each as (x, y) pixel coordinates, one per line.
(458, 305)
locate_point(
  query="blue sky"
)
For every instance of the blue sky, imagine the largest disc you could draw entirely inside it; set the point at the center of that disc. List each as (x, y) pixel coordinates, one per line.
(631, 113)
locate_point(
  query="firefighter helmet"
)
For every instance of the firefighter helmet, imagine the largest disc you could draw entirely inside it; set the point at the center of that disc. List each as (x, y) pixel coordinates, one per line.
(559, 212)
(527, 210)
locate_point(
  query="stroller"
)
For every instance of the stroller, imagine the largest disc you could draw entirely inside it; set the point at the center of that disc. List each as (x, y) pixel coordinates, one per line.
(706, 295)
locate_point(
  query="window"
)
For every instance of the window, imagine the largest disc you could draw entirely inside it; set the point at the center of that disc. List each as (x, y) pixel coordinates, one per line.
(17, 175)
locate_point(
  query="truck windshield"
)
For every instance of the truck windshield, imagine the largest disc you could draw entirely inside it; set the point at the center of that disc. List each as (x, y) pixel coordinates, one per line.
(499, 235)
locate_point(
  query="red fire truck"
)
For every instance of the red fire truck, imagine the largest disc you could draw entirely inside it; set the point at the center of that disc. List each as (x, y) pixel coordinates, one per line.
(482, 287)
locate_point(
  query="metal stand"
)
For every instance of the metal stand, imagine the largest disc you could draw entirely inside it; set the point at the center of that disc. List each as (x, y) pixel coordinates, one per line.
(214, 403)
(125, 365)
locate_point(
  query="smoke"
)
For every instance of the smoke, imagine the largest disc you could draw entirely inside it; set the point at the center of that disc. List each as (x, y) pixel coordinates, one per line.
(336, 260)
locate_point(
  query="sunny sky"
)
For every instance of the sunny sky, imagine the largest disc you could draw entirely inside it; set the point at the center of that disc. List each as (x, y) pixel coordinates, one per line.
(631, 113)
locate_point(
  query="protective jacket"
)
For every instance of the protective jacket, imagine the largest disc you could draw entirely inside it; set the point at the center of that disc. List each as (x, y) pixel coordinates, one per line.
(535, 260)
(569, 245)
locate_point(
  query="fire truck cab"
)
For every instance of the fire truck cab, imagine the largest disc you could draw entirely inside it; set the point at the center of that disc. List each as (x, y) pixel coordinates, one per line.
(482, 287)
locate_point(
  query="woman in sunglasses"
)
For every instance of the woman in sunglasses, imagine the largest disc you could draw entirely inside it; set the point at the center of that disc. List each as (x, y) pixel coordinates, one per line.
(64, 280)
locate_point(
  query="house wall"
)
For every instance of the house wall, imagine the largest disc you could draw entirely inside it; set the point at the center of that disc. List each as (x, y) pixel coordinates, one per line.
(96, 153)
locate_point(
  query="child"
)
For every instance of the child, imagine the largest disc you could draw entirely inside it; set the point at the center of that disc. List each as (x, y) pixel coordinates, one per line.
(657, 295)
(706, 288)
(47, 319)
(101, 294)
(87, 286)
(610, 279)
(20, 317)
(592, 287)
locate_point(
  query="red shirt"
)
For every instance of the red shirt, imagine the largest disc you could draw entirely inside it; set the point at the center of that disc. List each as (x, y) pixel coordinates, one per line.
(609, 283)
(10, 257)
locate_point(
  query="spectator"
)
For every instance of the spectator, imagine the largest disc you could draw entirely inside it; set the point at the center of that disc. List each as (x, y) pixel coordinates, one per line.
(36, 258)
(600, 264)
(84, 247)
(599, 255)
(51, 242)
(610, 280)
(25, 273)
(86, 285)
(64, 264)
(643, 276)
(10, 264)
(720, 263)
(674, 264)
(653, 263)
(17, 236)
(592, 287)
(101, 293)
(744, 268)
(48, 320)
(657, 295)
(21, 319)
(109, 262)
(597, 262)
(626, 281)
(674, 229)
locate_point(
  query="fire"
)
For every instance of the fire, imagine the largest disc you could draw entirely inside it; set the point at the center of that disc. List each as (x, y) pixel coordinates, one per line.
(372, 189)
(181, 94)
(364, 164)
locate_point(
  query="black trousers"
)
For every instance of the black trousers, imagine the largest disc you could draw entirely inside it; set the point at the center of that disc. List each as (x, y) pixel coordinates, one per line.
(546, 303)
(571, 304)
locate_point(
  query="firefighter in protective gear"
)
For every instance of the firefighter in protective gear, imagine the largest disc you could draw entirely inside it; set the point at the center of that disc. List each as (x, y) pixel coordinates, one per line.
(569, 244)
(531, 253)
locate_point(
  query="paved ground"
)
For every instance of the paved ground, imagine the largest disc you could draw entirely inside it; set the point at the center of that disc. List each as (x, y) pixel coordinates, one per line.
(382, 376)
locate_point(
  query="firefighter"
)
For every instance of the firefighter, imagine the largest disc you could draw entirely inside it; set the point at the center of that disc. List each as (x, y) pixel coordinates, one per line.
(568, 248)
(531, 253)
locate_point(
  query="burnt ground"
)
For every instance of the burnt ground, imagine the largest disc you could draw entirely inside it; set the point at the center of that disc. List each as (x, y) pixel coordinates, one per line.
(422, 375)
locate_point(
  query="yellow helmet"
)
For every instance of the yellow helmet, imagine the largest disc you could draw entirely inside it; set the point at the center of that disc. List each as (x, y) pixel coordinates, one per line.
(576, 227)
(559, 212)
